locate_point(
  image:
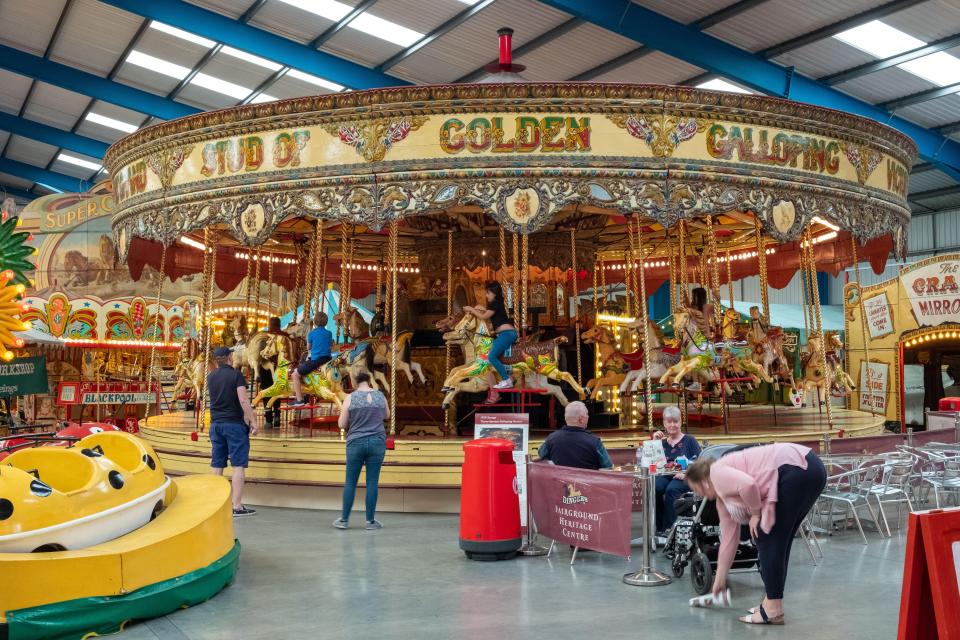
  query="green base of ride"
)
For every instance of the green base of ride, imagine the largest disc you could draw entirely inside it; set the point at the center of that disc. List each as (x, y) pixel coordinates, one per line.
(88, 617)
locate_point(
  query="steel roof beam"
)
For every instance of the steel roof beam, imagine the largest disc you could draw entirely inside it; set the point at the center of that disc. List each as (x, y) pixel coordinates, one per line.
(440, 31)
(716, 56)
(833, 29)
(920, 97)
(342, 24)
(91, 85)
(949, 129)
(879, 65)
(14, 192)
(936, 193)
(52, 136)
(705, 22)
(40, 175)
(238, 35)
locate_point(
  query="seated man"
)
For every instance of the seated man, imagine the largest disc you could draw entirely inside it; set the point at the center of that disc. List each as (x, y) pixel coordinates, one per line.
(572, 446)
(319, 341)
(675, 444)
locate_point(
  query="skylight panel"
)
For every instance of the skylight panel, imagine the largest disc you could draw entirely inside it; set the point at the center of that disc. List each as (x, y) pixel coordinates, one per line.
(879, 39)
(183, 35)
(159, 65)
(113, 123)
(940, 68)
(385, 30)
(80, 162)
(719, 84)
(329, 9)
(320, 82)
(264, 97)
(221, 86)
(249, 57)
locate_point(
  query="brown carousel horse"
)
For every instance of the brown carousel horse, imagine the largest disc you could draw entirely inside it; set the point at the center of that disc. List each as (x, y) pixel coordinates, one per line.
(612, 364)
(358, 329)
(766, 343)
(531, 361)
(841, 379)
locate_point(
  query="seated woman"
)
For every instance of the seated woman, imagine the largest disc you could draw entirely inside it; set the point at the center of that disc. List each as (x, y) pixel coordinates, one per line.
(506, 335)
(675, 444)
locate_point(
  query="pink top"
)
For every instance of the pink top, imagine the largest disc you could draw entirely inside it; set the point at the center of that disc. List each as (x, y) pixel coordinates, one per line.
(746, 484)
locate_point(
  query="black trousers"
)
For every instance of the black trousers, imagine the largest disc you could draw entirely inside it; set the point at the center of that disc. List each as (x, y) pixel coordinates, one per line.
(271, 416)
(797, 492)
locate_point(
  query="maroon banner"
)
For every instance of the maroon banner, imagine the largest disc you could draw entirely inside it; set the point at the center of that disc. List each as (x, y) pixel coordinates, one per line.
(586, 509)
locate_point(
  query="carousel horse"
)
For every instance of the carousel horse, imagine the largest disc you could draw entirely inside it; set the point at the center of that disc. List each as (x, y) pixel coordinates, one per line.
(357, 329)
(326, 382)
(767, 345)
(730, 327)
(533, 362)
(697, 354)
(188, 376)
(612, 364)
(250, 354)
(814, 375)
(660, 358)
(841, 379)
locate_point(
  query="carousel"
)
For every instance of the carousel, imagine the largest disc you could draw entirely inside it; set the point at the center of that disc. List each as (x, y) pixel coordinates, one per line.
(599, 209)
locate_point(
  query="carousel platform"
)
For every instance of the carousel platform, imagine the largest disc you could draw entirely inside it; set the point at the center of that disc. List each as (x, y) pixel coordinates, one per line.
(296, 467)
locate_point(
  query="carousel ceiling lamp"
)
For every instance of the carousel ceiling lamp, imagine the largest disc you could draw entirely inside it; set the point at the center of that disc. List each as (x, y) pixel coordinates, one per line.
(605, 317)
(190, 242)
(504, 70)
(826, 223)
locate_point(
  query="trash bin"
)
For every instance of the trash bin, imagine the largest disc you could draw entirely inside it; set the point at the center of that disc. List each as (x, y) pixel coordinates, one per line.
(489, 507)
(949, 404)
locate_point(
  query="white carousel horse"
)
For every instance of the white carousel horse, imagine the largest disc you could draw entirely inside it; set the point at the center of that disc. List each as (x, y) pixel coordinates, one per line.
(535, 363)
(815, 377)
(841, 379)
(612, 364)
(358, 329)
(660, 360)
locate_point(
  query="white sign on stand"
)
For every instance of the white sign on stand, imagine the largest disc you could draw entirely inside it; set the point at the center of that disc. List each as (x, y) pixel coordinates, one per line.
(516, 428)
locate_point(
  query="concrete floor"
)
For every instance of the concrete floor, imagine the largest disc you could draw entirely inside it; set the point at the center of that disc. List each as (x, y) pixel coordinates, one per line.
(300, 578)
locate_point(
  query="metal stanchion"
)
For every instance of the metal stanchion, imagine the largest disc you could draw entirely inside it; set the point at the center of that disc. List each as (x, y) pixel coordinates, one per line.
(909, 436)
(530, 546)
(956, 427)
(647, 576)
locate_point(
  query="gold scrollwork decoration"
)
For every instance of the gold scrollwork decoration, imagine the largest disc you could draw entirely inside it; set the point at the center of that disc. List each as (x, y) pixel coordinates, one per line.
(166, 162)
(372, 139)
(863, 158)
(662, 133)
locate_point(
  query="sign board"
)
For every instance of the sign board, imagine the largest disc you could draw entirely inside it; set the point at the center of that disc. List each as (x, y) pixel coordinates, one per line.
(514, 427)
(879, 316)
(874, 383)
(933, 289)
(930, 598)
(23, 376)
(84, 393)
(653, 453)
(583, 508)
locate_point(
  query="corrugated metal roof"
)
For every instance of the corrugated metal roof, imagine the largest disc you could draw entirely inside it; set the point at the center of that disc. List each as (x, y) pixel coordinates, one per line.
(73, 170)
(928, 21)
(474, 43)
(885, 85)
(654, 68)
(933, 113)
(7, 179)
(942, 202)
(29, 25)
(360, 47)
(94, 35)
(291, 22)
(777, 21)
(30, 151)
(553, 61)
(55, 106)
(824, 57)
(420, 15)
(232, 8)
(927, 180)
(15, 88)
(287, 87)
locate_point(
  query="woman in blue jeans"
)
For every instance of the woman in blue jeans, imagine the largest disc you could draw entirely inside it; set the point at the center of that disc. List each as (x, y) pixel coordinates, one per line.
(506, 335)
(362, 416)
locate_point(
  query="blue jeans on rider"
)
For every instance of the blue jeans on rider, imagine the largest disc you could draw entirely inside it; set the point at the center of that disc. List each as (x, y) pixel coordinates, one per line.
(500, 344)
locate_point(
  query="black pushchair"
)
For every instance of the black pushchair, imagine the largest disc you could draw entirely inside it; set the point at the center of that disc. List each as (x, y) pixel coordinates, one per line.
(694, 538)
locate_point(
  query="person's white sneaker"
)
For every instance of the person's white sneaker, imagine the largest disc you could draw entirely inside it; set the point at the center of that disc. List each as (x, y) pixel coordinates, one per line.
(504, 384)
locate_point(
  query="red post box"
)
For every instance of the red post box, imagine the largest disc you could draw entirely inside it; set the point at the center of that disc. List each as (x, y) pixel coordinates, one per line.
(489, 508)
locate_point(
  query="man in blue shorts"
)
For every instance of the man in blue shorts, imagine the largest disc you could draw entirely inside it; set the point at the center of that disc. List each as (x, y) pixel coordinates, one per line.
(319, 343)
(231, 424)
